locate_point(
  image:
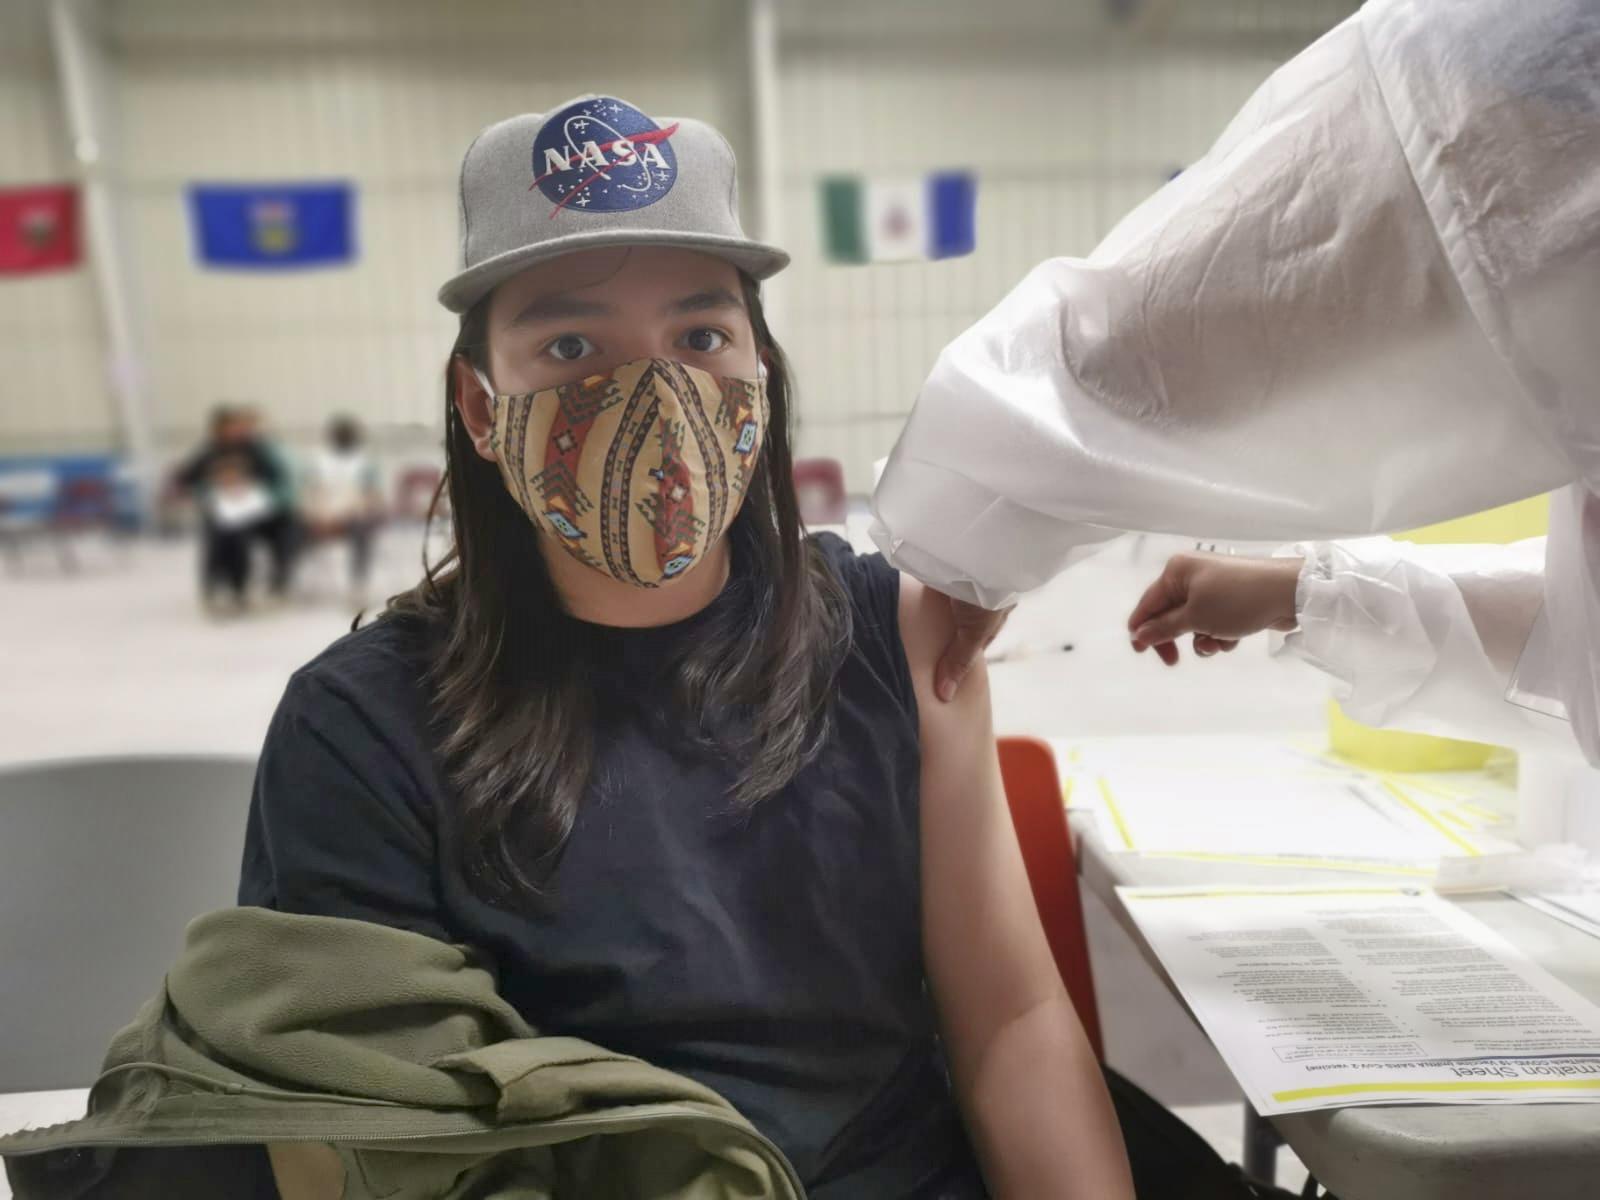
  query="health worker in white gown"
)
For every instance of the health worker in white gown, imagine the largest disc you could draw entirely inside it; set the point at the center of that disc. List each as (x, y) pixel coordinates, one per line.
(1373, 305)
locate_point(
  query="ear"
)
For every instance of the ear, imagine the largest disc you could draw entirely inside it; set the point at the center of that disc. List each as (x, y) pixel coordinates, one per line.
(475, 407)
(763, 364)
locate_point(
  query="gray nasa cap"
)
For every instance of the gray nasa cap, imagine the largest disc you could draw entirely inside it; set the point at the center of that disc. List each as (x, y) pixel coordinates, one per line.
(595, 171)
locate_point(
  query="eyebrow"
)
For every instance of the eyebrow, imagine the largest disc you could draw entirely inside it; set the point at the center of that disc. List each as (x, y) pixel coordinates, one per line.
(559, 307)
(705, 301)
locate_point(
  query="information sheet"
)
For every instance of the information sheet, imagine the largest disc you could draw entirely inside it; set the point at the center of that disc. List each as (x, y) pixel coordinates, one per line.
(1331, 997)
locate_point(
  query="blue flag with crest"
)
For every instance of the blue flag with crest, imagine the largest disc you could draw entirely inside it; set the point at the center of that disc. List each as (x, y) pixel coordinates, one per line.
(271, 226)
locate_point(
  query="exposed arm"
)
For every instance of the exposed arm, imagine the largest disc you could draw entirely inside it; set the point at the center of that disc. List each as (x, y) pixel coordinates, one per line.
(1028, 1083)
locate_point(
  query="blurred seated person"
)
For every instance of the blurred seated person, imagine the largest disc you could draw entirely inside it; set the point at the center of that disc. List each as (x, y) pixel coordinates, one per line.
(281, 460)
(343, 498)
(242, 494)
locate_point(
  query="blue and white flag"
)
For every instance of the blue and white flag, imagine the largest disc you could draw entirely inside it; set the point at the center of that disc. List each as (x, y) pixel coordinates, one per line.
(272, 226)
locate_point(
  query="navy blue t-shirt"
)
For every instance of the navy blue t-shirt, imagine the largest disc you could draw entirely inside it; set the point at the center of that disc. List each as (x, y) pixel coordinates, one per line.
(776, 958)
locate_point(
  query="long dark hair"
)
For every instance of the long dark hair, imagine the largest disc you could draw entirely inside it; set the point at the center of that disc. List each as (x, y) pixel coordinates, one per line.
(513, 705)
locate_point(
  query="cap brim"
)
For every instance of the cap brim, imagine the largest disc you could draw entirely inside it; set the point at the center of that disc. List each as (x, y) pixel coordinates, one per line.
(462, 291)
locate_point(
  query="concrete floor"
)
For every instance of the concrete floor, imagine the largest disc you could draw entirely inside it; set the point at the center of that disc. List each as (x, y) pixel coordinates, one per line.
(118, 659)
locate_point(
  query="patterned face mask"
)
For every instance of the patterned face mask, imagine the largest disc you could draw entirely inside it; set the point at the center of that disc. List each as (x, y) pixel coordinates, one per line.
(636, 472)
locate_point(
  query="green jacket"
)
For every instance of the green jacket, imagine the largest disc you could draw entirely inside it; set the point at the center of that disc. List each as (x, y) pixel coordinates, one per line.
(396, 1050)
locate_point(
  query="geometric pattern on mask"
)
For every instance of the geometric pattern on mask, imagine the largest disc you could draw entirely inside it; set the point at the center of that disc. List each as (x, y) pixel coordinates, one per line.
(639, 419)
(738, 411)
(562, 499)
(670, 509)
(635, 472)
(711, 454)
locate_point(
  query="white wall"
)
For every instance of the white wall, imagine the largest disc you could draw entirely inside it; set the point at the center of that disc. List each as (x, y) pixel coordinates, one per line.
(387, 94)
(53, 388)
(1067, 117)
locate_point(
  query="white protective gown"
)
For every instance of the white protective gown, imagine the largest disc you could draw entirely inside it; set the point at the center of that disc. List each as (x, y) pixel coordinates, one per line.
(1373, 305)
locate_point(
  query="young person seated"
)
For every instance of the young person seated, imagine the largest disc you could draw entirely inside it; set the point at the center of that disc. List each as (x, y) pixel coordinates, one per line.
(677, 768)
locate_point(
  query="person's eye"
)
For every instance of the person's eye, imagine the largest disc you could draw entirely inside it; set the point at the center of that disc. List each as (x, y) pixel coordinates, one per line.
(570, 347)
(705, 340)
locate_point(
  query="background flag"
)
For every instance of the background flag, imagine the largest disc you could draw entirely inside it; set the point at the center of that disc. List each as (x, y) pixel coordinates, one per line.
(899, 220)
(38, 229)
(271, 226)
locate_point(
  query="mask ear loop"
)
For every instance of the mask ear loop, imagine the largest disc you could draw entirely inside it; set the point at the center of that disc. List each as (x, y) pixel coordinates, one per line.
(494, 400)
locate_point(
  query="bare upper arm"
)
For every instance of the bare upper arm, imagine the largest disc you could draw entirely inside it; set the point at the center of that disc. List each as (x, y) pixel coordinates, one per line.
(987, 957)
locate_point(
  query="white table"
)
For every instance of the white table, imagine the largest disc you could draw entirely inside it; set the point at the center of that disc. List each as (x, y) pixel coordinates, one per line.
(1441, 1152)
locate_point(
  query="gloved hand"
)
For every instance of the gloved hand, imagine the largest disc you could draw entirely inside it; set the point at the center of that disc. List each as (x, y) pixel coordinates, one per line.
(1217, 598)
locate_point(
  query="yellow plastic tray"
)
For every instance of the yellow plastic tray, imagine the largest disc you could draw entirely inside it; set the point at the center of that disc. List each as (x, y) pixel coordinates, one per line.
(1397, 750)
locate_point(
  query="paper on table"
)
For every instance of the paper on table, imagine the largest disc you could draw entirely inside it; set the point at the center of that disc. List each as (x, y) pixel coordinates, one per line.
(1234, 755)
(1348, 818)
(1331, 997)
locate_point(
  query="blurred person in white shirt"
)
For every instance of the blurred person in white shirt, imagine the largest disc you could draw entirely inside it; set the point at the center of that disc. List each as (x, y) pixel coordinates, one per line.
(343, 499)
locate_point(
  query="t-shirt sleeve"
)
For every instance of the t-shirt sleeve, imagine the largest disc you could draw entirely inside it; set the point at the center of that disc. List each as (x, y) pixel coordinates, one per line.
(338, 824)
(873, 587)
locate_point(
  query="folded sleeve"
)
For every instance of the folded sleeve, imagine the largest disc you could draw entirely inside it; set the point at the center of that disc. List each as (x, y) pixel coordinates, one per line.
(1423, 637)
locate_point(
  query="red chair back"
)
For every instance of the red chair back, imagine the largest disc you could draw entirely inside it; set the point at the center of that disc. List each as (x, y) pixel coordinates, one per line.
(819, 489)
(1038, 810)
(414, 491)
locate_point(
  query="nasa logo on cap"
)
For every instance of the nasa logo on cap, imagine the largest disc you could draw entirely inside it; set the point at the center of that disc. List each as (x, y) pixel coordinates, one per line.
(601, 155)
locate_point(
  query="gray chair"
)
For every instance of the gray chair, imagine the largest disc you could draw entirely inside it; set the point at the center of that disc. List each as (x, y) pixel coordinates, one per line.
(102, 864)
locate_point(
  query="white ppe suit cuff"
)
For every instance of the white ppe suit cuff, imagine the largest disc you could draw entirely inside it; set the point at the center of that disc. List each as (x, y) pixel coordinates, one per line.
(1358, 623)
